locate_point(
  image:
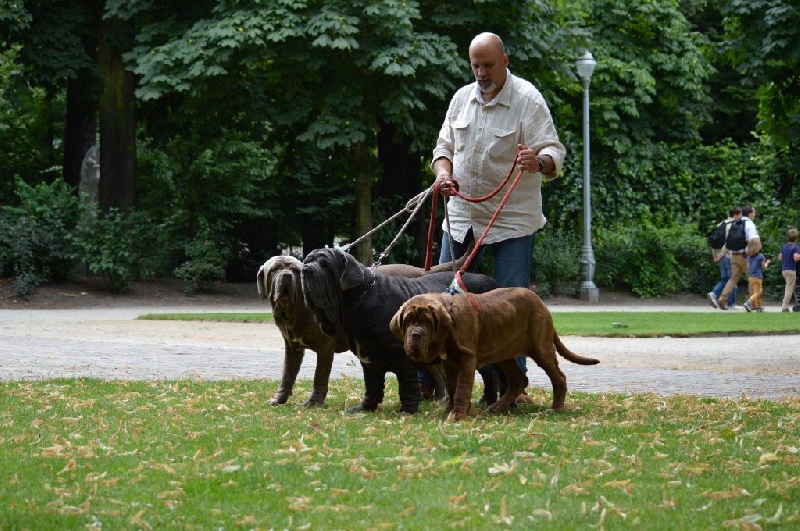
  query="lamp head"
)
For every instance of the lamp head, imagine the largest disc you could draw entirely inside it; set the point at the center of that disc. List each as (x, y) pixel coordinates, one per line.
(586, 66)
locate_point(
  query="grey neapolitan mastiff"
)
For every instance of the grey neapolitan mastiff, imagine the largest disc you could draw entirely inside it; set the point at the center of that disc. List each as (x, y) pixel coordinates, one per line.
(350, 299)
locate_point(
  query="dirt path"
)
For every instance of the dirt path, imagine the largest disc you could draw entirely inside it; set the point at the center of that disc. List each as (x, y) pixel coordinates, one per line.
(107, 342)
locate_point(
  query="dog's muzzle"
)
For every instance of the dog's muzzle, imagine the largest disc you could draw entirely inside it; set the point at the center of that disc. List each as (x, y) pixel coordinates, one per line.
(416, 344)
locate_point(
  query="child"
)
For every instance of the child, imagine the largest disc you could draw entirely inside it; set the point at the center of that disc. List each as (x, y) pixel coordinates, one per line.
(756, 264)
(790, 259)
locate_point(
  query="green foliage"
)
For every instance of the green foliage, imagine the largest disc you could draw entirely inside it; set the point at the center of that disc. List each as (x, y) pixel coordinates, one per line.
(640, 98)
(23, 127)
(556, 260)
(762, 43)
(403, 251)
(111, 246)
(251, 111)
(54, 49)
(221, 176)
(663, 184)
(207, 256)
(33, 235)
(650, 261)
(205, 180)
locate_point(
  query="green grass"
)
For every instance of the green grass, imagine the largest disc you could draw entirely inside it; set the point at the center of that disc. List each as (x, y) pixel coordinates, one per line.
(233, 317)
(606, 324)
(81, 453)
(676, 324)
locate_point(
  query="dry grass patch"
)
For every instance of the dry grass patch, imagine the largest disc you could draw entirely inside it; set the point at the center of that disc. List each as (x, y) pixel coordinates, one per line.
(84, 453)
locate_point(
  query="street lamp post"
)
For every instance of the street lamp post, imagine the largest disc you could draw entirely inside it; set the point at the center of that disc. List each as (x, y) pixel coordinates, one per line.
(588, 291)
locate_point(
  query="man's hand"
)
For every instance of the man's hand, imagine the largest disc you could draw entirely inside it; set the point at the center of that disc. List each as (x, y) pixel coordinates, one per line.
(447, 186)
(531, 162)
(443, 169)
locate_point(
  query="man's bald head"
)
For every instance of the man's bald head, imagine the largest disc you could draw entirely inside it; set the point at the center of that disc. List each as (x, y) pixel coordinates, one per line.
(487, 39)
(489, 62)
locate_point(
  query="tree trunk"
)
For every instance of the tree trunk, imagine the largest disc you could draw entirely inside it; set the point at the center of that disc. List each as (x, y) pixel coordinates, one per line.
(117, 122)
(363, 251)
(401, 169)
(80, 128)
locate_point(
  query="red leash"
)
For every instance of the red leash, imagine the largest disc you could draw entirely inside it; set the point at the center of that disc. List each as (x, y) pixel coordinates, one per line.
(437, 191)
(457, 280)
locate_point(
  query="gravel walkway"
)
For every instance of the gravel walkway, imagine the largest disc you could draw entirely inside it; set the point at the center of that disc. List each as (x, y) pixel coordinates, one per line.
(109, 343)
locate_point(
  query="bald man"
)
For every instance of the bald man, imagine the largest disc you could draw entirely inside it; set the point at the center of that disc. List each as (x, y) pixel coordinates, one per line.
(489, 124)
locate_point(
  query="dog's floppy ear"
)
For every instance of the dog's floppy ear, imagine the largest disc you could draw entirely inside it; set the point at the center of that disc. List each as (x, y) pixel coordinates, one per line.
(262, 278)
(352, 272)
(442, 322)
(396, 324)
(262, 290)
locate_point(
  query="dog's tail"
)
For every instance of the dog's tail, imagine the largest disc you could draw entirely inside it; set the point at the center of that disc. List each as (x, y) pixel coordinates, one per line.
(567, 354)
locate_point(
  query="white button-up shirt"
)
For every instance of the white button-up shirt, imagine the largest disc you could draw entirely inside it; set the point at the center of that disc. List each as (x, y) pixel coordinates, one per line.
(481, 142)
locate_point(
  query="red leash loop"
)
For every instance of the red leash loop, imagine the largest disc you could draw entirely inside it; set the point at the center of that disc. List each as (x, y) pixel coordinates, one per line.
(431, 225)
(457, 280)
(437, 191)
(492, 193)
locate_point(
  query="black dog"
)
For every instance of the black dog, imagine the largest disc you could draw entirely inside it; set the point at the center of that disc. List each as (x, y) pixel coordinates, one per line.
(349, 298)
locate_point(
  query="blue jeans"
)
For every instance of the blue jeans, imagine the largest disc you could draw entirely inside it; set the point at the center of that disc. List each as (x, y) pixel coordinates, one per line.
(513, 259)
(725, 273)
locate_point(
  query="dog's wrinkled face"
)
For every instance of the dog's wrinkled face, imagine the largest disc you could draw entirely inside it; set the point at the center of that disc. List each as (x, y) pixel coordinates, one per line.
(279, 281)
(422, 324)
(325, 275)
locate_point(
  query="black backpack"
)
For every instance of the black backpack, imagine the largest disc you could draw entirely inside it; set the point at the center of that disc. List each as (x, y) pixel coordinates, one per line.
(717, 237)
(737, 239)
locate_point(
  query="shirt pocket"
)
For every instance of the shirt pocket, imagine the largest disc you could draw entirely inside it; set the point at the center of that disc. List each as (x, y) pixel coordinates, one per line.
(503, 145)
(460, 135)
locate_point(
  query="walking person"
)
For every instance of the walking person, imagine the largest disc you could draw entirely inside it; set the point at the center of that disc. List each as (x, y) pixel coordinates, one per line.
(789, 258)
(738, 259)
(490, 124)
(724, 264)
(756, 264)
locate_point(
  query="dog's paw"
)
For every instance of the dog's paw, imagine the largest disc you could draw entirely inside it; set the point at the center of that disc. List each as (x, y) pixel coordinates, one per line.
(362, 407)
(316, 398)
(497, 408)
(278, 399)
(455, 416)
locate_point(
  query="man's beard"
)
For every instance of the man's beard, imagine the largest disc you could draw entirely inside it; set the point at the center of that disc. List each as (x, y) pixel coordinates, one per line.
(487, 86)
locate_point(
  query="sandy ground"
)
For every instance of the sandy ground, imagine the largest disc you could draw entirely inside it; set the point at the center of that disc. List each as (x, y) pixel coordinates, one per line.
(105, 341)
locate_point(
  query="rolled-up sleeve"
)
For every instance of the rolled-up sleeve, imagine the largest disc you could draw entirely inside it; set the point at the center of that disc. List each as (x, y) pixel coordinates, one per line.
(445, 142)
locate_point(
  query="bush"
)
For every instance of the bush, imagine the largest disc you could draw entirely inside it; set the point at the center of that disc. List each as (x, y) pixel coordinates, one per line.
(653, 262)
(207, 258)
(112, 245)
(34, 234)
(556, 260)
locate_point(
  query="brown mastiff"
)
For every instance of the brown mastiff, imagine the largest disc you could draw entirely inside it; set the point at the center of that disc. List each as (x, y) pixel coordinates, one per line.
(469, 332)
(279, 281)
